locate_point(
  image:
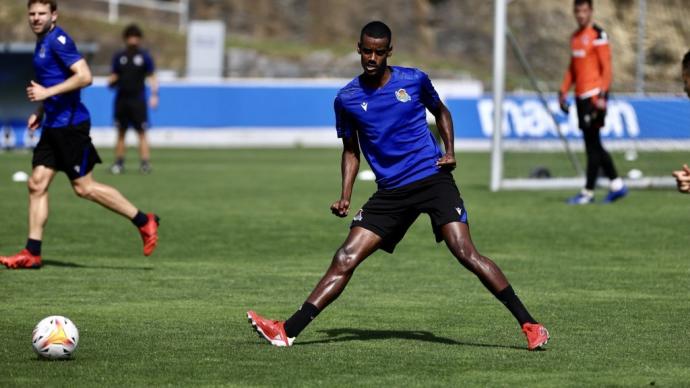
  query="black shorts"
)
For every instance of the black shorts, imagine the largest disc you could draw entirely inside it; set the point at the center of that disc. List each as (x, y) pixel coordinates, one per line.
(67, 149)
(131, 112)
(588, 115)
(390, 213)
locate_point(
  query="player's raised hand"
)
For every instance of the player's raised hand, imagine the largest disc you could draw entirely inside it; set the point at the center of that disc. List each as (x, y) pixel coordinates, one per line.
(341, 207)
(446, 162)
(36, 92)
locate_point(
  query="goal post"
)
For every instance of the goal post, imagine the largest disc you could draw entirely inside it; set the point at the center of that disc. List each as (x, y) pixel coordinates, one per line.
(498, 181)
(500, 21)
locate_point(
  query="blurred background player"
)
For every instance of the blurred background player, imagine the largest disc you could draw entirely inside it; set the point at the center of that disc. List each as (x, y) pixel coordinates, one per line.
(590, 71)
(65, 144)
(683, 175)
(383, 111)
(132, 68)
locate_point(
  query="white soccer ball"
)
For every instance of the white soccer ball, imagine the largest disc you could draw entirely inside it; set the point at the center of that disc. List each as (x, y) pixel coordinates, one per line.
(366, 175)
(55, 337)
(631, 155)
(20, 176)
(635, 174)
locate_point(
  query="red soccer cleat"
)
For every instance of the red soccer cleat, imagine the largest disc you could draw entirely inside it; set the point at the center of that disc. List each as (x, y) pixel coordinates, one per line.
(149, 234)
(537, 335)
(271, 331)
(23, 259)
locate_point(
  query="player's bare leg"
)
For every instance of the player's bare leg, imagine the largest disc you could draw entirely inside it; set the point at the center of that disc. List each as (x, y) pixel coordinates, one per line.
(459, 242)
(120, 150)
(144, 152)
(110, 198)
(457, 238)
(359, 245)
(38, 185)
(86, 187)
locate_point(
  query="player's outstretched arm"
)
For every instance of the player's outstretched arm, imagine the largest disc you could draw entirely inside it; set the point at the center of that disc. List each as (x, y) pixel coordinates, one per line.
(444, 122)
(81, 78)
(349, 166)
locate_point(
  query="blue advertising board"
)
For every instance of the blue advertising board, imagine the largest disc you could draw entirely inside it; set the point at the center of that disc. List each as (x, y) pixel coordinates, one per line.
(229, 114)
(526, 118)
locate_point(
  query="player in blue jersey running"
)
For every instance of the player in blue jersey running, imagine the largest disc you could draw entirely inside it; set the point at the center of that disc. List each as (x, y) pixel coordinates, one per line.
(65, 144)
(383, 112)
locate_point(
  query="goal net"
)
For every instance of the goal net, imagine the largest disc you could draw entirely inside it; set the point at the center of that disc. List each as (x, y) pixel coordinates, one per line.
(535, 146)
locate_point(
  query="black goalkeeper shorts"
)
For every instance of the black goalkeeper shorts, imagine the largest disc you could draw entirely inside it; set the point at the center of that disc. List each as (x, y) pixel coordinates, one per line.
(67, 149)
(588, 115)
(390, 213)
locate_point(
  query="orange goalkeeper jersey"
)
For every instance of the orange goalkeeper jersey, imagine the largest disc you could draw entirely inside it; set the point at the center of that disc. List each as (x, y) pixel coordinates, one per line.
(590, 63)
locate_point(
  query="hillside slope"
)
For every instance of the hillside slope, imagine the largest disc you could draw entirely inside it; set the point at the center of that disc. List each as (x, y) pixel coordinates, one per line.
(448, 38)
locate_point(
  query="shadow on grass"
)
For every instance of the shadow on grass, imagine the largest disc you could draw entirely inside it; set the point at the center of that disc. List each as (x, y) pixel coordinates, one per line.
(66, 264)
(46, 359)
(346, 334)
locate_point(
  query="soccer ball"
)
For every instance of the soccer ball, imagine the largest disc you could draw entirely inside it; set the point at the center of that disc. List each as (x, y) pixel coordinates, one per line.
(55, 337)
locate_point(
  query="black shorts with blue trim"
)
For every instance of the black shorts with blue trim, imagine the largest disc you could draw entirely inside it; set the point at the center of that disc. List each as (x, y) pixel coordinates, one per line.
(67, 149)
(390, 213)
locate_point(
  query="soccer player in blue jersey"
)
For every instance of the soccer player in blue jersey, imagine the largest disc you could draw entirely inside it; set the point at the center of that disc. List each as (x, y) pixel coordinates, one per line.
(65, 144)
(383, 113)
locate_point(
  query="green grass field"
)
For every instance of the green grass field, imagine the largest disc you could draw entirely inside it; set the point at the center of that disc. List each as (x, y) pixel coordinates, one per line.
(250, 229)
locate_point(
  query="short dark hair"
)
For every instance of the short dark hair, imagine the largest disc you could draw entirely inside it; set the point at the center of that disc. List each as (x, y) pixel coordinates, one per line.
(132, 30)
(52, 3)
(686, 61)
(580, 2)
(377, 30)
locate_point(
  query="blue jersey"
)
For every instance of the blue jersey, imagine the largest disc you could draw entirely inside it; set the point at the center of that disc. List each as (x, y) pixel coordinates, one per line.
(391, 125)
(53, 56)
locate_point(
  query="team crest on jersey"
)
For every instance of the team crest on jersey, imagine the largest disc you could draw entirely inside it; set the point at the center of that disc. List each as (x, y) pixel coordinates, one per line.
(62, 39)
(42, 51)
(402, 95)
(359, 216)
(123, 60)
(138, 60)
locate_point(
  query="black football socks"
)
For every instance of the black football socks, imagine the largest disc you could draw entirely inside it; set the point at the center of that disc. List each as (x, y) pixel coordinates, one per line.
(514, 305)
(300, 319)
(140, 219)
(34, 247)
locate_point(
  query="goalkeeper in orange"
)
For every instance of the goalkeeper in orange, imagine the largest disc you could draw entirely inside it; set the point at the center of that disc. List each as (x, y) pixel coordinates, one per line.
(590, 72)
